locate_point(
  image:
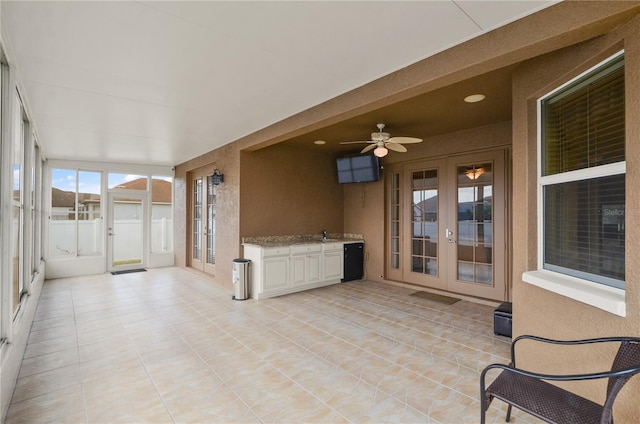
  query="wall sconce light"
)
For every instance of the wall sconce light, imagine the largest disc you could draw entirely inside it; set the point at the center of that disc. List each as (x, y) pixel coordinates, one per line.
(217, 178)
(474, 173)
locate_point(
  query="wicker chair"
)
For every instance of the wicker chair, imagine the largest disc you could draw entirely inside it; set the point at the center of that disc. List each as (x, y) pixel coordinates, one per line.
(530, 392)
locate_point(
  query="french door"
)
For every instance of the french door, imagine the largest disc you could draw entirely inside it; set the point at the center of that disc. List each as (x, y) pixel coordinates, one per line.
(203, 223)
(447, 225)
(127, 231)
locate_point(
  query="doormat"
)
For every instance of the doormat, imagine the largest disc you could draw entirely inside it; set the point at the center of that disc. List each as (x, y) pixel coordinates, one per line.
(435, 297)
(128, 271)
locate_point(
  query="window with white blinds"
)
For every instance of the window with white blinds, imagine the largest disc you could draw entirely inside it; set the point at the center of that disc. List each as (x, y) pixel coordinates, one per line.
(582, 176)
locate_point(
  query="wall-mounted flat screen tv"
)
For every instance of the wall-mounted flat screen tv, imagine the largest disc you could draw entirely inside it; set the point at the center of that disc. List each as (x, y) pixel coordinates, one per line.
(358, 169)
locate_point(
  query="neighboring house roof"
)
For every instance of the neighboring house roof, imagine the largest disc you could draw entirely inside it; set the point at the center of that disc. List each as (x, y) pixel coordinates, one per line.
(161, 193)
(64, 199)
(160, 189)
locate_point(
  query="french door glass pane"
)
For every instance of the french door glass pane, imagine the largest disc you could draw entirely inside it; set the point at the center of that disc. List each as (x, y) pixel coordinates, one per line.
(211, 223)
(424, 222)
(475, 225)
(197, 219)
(395, 220)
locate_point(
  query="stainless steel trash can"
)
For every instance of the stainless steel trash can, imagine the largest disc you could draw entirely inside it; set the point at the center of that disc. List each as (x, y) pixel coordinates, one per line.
(241, 279)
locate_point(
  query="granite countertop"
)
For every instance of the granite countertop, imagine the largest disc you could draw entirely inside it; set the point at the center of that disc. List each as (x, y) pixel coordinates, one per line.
(277, 241)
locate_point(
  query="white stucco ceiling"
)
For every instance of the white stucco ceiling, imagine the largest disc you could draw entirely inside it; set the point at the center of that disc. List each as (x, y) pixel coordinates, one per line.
(162, 82)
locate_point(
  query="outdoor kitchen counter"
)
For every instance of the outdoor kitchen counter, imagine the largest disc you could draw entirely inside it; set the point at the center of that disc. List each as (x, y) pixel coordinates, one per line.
(282, 241)
(288, 264)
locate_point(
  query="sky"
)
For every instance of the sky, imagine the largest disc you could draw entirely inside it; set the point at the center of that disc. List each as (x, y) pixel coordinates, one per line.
(89, 181)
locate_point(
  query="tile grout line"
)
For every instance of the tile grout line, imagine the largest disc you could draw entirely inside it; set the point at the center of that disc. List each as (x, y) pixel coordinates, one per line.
(262, 358)
(186, 343)
(200, 315)
(376, 388)
(81, 374)
(403, 325)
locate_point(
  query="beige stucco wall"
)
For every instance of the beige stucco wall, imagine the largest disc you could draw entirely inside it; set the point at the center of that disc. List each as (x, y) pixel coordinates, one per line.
(289, 190)
(261, 194)
(227, 160)
(540, 312)
(364, 207)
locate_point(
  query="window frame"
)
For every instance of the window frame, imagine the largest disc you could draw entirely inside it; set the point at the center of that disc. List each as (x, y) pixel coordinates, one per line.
(169, 246)
(19, 235)
(6, 335)
(607, 298)
(76, 212)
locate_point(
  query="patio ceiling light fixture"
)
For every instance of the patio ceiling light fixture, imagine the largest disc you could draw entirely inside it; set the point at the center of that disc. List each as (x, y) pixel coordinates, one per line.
(474, 98)
(474, 173)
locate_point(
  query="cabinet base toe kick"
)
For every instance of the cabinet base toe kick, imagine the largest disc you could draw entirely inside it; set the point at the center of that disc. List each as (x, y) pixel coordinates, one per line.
(277, 293)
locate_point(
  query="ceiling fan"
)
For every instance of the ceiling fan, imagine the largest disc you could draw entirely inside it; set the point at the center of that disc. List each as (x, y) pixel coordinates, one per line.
(382, 142)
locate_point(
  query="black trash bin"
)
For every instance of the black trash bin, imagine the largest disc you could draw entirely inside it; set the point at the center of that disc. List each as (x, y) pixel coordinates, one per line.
(502, 319)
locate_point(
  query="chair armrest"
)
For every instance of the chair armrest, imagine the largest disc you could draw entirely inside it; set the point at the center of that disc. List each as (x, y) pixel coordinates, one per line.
(566, 377)
(567, 342)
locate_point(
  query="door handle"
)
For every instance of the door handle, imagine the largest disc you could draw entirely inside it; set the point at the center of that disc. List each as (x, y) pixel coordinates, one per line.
(448, 233)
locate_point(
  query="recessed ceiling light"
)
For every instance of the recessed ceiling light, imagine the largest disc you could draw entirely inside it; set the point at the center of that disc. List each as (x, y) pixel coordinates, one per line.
(320, 142)
(474, 98)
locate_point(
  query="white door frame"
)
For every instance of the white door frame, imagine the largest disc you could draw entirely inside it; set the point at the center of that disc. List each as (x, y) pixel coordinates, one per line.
(447, 207)
(112, 233)
(202, 263)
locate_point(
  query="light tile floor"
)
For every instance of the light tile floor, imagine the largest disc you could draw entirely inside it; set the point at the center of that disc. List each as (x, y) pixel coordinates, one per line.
(169, 345)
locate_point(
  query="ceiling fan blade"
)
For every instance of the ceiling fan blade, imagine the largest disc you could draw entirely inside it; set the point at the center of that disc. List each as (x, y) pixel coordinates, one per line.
(396, 147)
(356, 142)
(404, 140)
(366, 149)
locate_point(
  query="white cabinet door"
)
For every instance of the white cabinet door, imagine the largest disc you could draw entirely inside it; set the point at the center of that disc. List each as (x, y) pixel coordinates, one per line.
(306, 264)
(333, 265)
(298, 269)
(314, 268)
(306, 269)
(275, 273)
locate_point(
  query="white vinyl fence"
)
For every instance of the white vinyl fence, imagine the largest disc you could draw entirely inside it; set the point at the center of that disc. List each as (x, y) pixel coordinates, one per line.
(128, 237)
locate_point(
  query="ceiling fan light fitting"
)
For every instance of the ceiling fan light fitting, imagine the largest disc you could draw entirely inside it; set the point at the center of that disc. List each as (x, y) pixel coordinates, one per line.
(380, 152)
(382, 142)
(380, 136)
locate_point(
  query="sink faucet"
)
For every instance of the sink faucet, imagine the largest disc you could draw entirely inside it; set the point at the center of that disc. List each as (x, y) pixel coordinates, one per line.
(324, 235)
